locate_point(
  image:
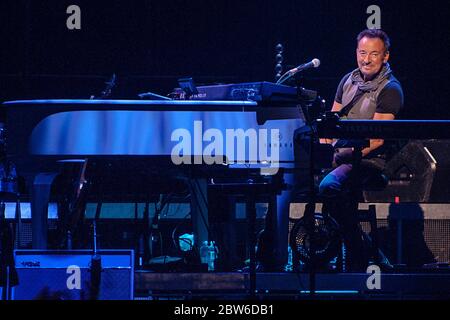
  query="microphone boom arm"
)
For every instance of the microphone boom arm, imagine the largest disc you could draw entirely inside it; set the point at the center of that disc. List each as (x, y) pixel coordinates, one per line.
(314, 63)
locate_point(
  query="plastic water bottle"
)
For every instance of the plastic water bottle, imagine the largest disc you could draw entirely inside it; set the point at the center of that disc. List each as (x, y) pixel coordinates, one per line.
(211, 256)
(204, 253)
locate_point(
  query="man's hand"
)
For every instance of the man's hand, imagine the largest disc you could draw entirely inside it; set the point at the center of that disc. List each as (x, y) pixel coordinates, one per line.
(376, 143)
(343, 155)
(335, 108)
(325, 141)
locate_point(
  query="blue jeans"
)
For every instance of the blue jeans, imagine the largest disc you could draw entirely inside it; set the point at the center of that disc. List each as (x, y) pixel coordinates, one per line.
(341, 204)
(335, 182)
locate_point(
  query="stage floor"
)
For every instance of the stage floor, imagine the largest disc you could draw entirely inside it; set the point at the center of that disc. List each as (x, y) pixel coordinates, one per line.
(432, 284)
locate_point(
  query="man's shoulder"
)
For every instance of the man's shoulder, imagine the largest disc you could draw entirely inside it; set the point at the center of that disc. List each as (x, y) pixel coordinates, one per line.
(390, 98)
(393, 85)
(346, 76)
(344, 80)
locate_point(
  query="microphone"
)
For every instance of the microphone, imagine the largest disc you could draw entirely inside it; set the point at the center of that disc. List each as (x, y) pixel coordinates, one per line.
(314, 63)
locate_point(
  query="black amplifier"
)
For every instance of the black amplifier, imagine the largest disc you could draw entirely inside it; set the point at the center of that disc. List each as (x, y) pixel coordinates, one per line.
(66, 275)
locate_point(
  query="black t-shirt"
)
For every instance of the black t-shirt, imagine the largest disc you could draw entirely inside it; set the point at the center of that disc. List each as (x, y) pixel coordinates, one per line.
(390, 99)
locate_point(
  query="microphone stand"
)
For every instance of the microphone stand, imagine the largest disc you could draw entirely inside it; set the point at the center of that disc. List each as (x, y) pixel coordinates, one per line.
(77, 206)
(285, 77)
(290, 73)
(139, 238)
(310, 207)
(96, 260)
(154, 228)
(145, 240)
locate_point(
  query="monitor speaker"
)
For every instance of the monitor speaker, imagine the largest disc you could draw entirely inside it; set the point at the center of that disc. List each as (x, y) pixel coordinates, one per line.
(419, 172)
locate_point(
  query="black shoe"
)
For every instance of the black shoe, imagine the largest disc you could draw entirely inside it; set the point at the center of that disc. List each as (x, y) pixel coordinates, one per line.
(383, 263)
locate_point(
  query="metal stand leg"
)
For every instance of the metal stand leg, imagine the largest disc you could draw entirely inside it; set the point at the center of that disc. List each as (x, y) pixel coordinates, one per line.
(40, 196)
(251, 216)
(199, 209)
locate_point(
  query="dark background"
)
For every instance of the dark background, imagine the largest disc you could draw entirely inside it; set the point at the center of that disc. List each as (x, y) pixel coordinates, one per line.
(150, 44)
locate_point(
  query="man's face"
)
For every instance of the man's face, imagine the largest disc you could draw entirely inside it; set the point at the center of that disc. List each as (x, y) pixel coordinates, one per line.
(370, 55)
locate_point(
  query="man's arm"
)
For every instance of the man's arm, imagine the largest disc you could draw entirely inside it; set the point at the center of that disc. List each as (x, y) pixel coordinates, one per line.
(376, 143)
(335, 108)
(389, 103)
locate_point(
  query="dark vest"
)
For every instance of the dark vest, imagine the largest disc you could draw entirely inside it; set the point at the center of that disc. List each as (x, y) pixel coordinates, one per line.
(366, 105)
